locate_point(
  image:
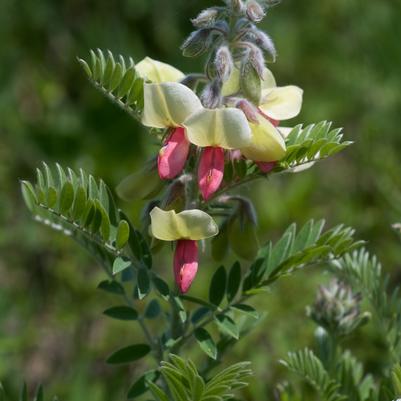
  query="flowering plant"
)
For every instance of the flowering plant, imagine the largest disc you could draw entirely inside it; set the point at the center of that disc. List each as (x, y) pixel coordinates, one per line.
(216, 130)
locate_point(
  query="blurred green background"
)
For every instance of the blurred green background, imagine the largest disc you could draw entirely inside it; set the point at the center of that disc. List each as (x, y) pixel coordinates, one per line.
(345, 54)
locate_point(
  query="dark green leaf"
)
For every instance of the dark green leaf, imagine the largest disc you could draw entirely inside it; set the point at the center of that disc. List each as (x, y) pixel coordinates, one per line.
(141, 385)
(122, 313)
(143, 283)
(129, 354)
(217, 287)
(161, 287)
(153, 309)
(246, 309)
(111, 286)
(234, 281)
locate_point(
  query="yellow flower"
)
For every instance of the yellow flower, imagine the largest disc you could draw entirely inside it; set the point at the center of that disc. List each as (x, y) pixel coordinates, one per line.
(157, 71)
(168, 104)
(191, 224)
(267, 144)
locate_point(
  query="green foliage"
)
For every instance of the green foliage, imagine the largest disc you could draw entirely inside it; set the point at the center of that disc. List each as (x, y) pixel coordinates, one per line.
(364, 273)
(312, 143)
(306, 364)
(81, 208)
(117, 79)
(38, 395)
(186, 384)
(297, 250)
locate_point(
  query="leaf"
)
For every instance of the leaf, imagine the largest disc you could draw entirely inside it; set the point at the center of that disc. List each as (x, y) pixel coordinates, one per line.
(111, 286)
(122, 234)
(247, 310)
(143, 283)
(79, 205)
(162, 287)
(66, 197)
(217, 287)
(122, 313)
(250, 83)
(153, 309)
(24, 393)
(227, 326)
(234, 281)
(38, 395)
(206, 342)
(141, 385)
(128, 354)
(29, 195)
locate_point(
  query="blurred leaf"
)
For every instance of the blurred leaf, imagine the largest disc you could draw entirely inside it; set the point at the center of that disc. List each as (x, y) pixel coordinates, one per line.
(234, 281)
(141, 385)
(111, 286)
(153, 309)
(129, 354)
(143, 283)
(217, 287)
(227, 326)
(122, 313)
(122, 234)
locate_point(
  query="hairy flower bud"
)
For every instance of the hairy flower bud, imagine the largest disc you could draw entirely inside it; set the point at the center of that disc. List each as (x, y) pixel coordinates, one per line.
(173, 155)
(211, 171)
(337, 309)
(196, 43)
(185, 263)
(206, 18)
(265, 42)
(237, 5)
(250, 111)
(254, 11)
(257, 60)
(224, 63)
(211, 95)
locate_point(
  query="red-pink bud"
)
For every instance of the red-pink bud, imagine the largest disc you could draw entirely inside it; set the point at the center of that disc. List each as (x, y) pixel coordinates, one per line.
(185, 263)
(266, 167)
(173, 155)
(210, 171)
(276, 123)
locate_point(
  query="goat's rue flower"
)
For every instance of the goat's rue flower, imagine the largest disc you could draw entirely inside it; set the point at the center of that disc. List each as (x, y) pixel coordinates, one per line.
(157, 71)
(167, 105)
(215, 130)
(186, 228)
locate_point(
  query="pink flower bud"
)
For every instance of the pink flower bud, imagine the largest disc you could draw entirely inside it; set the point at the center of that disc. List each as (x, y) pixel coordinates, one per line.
(185, 263)
(173, 155)
(210, 171)
(276, 123)
(266, 167)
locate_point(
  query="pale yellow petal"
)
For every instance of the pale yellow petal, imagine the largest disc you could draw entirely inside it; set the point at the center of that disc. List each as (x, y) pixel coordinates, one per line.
(268, 80)
(190, 224)
(232, 86)
(196, 224)
(267, 143)
(157, 71)
(227, 128)
(282, 103)
(168, 104)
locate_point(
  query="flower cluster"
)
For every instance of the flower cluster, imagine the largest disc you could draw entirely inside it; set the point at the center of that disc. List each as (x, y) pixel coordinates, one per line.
(236, 116)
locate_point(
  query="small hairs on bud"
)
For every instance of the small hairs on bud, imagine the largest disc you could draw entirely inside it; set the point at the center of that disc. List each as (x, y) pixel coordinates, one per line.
(206, 18)
(224, 63)
(254, 11)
